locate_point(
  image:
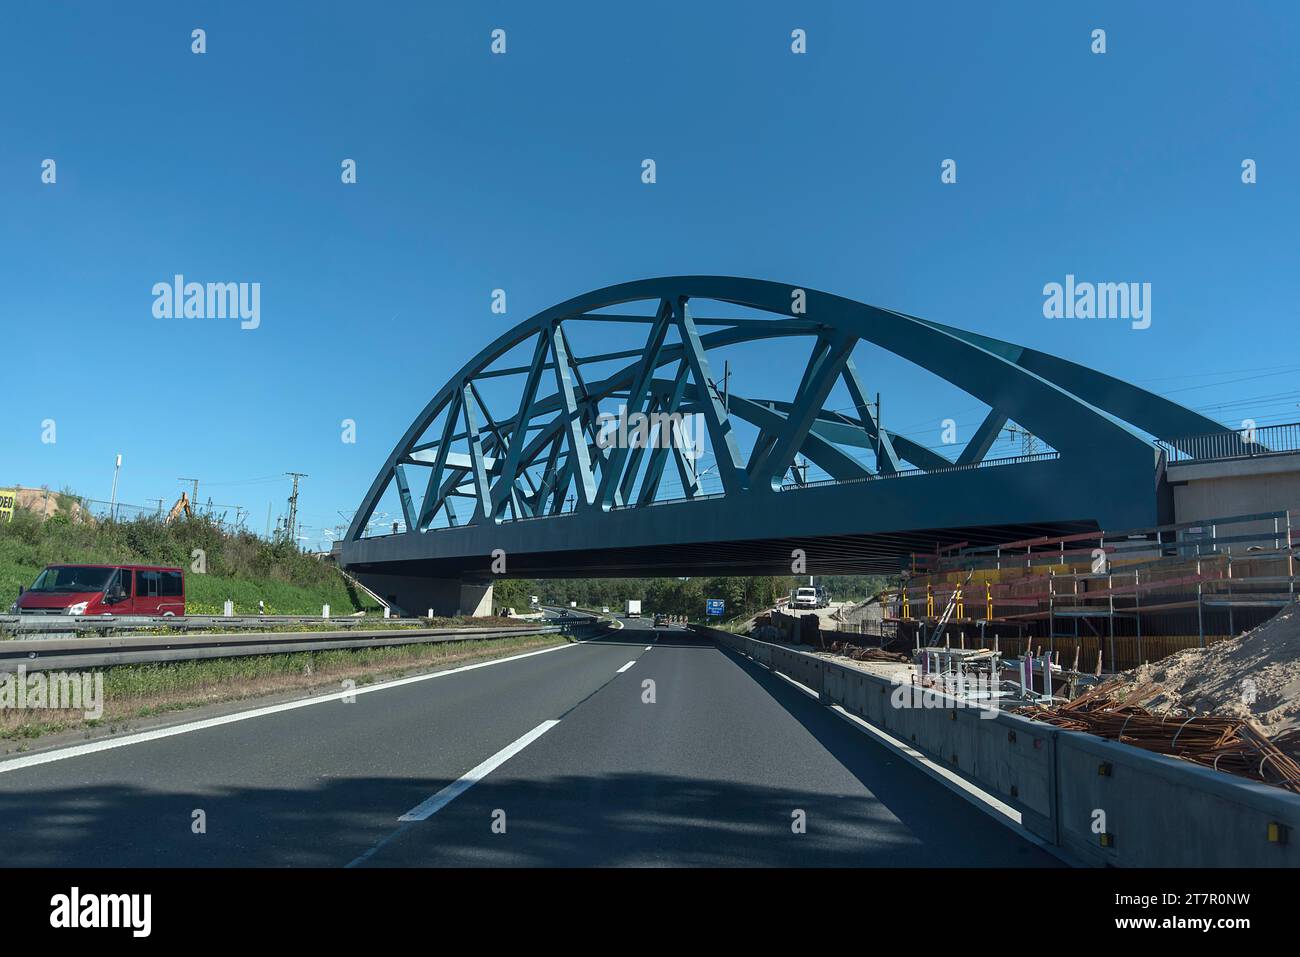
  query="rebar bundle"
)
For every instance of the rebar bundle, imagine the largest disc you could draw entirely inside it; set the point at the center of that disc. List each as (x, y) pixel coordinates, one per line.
(859, 653)
(1232, 745)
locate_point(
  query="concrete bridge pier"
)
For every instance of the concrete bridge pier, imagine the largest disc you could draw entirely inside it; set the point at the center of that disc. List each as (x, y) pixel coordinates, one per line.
(413, 595)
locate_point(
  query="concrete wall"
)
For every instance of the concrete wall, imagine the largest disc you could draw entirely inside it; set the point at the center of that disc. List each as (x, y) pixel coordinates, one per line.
(1156, 811)
(1162, 811)
(1204, 490)
(414, 596)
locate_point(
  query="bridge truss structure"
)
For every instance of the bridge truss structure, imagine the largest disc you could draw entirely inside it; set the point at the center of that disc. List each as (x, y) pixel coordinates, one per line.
(541, 479)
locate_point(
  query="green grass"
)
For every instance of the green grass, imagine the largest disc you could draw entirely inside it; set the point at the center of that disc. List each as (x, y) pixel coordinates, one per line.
(207, 594)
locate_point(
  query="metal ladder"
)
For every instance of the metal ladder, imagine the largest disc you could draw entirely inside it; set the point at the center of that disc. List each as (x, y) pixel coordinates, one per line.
(951, 606)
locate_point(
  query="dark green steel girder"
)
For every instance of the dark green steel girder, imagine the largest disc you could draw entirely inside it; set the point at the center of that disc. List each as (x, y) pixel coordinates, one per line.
(524, 466)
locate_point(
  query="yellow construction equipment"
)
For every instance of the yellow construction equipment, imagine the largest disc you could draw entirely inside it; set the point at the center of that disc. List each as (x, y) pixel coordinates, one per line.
(182, 507)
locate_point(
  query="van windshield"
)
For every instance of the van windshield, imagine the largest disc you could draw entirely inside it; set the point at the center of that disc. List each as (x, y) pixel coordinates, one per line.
(72, 578)
(806, 593)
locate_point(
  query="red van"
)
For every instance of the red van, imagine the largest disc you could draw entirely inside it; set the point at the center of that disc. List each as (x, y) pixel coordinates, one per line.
(104, 590)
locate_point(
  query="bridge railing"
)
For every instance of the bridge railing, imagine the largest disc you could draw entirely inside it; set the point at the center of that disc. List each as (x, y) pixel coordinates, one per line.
(1244, 443)
(942, 470)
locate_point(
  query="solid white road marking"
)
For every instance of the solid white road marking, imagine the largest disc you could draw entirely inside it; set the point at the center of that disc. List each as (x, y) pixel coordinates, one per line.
(62, 754)
(647, 647)
(427, 809)
(626, 666)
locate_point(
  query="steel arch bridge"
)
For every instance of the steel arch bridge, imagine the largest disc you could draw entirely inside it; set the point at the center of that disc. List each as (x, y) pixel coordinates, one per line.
(542, 483)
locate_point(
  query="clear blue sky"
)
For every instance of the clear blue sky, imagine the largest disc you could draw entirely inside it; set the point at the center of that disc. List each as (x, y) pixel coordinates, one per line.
(523, 172)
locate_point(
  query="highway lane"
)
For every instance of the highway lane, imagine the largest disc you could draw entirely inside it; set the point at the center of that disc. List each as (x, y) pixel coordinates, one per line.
(315, 786)
(713, 772)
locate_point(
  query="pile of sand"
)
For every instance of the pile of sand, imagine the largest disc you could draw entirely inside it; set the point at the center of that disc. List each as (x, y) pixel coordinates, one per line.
(1255, 676)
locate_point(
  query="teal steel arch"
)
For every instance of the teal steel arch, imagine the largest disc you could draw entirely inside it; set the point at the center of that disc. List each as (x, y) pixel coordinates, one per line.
(517, 471)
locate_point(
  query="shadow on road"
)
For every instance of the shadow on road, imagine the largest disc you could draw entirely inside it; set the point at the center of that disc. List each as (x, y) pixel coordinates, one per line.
(627, 819)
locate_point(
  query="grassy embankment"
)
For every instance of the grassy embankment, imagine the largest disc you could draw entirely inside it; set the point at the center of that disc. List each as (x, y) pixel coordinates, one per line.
(239, 567)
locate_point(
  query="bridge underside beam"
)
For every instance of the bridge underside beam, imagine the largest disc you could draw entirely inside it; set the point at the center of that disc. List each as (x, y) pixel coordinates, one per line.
(884, 554)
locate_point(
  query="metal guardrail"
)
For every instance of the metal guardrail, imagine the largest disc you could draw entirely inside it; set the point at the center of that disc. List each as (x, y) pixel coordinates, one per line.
(109, 624)
(44, 624)
(49, 654)
(1244, 443)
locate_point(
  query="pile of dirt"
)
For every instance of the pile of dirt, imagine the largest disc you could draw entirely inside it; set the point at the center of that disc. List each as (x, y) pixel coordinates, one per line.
(1255, 677)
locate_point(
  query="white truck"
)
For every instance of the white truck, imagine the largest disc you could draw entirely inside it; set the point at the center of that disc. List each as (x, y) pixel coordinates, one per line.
(633, 608)
(805, 597)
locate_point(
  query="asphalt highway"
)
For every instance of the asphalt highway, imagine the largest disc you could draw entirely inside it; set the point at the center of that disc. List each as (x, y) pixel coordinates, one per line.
(645, 748)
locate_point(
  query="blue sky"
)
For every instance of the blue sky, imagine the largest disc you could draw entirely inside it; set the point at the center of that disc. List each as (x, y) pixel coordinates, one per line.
(522, 172)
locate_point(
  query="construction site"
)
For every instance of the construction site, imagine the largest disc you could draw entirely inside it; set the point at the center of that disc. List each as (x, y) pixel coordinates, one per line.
(1181, 639)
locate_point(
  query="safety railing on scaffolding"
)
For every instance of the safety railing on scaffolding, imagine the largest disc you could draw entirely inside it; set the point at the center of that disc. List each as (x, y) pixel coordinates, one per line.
(1135, 595)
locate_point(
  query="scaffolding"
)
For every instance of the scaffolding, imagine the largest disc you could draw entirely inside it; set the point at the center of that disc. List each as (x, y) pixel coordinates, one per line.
(1138, 595)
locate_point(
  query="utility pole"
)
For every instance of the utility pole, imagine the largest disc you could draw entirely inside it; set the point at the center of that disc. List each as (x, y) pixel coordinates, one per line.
(291, 527)
(880, 432)
(113, 503)
(1028, 443)
(800, 471)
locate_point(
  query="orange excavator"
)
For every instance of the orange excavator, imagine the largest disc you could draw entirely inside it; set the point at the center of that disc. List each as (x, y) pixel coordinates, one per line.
(182, 507)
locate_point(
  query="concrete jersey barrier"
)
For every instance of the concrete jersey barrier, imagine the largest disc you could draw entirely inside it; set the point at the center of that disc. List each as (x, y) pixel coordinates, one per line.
(1099, 801)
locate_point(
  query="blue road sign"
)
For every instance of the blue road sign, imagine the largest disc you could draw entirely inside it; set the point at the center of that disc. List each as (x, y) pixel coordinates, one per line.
(714, 606)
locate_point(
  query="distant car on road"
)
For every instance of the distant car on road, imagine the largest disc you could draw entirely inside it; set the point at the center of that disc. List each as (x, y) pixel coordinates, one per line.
(104, 590)
(661, 621)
